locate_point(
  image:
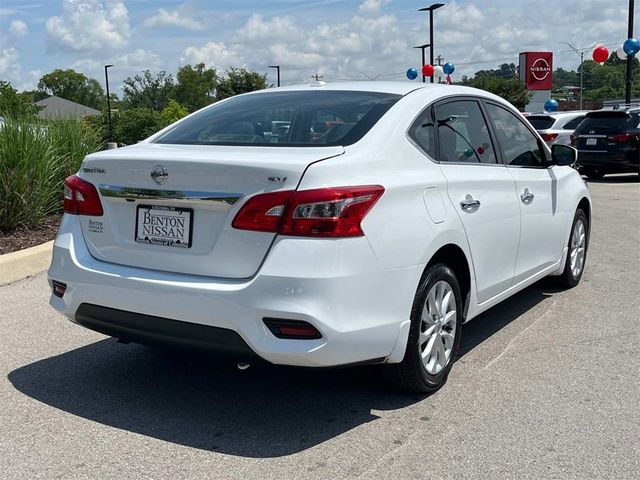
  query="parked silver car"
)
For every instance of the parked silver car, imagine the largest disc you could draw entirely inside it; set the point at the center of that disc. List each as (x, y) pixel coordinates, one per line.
(557, 127)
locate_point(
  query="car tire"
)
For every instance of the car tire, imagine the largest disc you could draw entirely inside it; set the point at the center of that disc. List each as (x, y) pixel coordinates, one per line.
(594, 174)
(577, 255)
(434, 326)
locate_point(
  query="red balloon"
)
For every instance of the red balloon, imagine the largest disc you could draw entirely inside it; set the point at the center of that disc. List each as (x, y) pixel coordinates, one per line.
(427, 70)
(600, 54)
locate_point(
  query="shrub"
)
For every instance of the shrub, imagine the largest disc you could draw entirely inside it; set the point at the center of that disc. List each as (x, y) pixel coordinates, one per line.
(135, 124)
(35, 158)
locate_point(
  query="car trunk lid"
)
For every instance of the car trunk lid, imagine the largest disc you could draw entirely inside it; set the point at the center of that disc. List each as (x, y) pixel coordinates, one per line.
(170, 207)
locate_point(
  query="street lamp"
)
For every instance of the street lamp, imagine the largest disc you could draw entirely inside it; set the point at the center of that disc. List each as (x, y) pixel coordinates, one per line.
(277, 67)
(629, 80)
(580, 52)
(106, 81)
(430, 9)
(422, 47)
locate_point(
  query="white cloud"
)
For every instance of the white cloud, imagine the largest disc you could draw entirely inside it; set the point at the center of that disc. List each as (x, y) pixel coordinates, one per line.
(125, 65)
(372, 6)
(213, 54)
(165, 18)
(9, 62)
(18, 28)
(87, 25)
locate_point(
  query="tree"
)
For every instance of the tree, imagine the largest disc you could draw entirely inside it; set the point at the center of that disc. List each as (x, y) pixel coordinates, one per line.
(148, 90)
(173, 112)
(240, 80)
(14, 104)
(510, 89)
(73, 86)
(196, 86)
(135, 124)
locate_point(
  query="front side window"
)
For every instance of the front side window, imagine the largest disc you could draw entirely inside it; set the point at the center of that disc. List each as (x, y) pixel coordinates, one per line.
(518, 144)
(463, 135)
(294, 118)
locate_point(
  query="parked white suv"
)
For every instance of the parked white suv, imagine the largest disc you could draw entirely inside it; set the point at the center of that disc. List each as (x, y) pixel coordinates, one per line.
(368, 231)
(557, 127)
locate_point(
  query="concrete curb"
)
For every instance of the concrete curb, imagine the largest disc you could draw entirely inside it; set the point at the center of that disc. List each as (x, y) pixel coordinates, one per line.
(18, 265)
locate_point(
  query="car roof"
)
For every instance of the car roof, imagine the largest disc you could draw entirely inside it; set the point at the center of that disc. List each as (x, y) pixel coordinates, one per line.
(398, 87)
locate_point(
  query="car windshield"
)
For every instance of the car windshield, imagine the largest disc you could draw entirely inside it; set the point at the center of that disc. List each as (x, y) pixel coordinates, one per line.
(294, 118)
(609, 123)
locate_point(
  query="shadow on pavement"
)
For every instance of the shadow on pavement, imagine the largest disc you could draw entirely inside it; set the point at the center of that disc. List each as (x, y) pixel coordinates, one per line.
(630, 178)
(206, 403)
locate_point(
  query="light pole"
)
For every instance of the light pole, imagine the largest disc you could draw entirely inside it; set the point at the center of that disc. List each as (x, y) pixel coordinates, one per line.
(106, 81)
(277, 67)
(422, 47)
(629, 57)
(580, 52)
(430, 9)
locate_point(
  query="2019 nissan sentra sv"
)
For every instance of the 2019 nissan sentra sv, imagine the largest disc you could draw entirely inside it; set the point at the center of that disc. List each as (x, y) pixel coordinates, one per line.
(321, 225)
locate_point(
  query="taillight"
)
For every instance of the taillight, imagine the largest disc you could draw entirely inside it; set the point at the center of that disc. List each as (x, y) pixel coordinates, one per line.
(81, 197)
(263, 213)
(547, 137)
(624, 137)
(323, 212)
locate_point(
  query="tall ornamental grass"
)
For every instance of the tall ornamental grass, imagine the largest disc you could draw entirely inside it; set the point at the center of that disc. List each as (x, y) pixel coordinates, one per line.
(35, 158)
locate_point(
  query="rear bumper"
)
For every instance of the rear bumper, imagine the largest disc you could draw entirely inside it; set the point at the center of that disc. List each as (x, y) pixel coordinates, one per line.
(614, 162)
(338, 286)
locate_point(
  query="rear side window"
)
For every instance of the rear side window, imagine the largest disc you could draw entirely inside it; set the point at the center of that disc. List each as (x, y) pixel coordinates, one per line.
(462, 133)
(609, 123)
(541, 123)
(518, 144)
(296, 118)
(422, 132)
(572, 124)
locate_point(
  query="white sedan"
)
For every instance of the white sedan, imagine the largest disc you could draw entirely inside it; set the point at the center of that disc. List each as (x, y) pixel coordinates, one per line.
(321, 225)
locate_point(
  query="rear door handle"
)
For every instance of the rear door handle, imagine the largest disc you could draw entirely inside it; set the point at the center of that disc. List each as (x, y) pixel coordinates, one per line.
(527, 196)
(470, 204)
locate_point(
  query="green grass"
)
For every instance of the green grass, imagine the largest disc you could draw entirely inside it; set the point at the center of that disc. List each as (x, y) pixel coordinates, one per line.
(35, 158)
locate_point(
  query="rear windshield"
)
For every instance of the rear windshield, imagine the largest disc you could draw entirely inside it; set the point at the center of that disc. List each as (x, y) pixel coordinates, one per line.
(541, 123)
(612, 123)
(297, 118)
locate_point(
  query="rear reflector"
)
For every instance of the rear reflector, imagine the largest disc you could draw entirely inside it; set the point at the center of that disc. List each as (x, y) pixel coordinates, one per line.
(323, 212)
(292, 329)
(81, 197)
(58, 288)
(547, 137)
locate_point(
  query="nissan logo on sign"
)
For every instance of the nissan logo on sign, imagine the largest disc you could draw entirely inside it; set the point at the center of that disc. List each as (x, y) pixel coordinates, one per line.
(540, 69)
(536, 70)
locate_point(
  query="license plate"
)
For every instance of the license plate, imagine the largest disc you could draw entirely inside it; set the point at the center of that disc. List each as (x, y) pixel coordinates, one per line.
(166, 226)
(592, 141)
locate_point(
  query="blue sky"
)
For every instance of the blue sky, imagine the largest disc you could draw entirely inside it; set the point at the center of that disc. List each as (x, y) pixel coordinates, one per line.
(341, 39)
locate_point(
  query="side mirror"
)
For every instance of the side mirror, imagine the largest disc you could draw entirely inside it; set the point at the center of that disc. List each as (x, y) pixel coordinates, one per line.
(563, 155)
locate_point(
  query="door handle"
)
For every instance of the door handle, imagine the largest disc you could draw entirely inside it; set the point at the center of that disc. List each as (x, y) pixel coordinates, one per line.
(527, 196)
(470, 204)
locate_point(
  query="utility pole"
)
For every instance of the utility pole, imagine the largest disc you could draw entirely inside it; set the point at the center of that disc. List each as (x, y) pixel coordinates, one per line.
(277, 67)
(430, 9)
(629, 57)
(422, 47)
(317, 76)
(439, 59)
(580, 52)
(106, 80)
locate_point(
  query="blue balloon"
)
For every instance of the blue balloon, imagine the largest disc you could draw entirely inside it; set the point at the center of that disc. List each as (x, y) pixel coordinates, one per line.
(412, 74)
(449, 68)
(551, 105)
(631, 46)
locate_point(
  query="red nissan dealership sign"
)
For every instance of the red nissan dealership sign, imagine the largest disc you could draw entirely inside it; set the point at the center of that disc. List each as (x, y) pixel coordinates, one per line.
(536, 70)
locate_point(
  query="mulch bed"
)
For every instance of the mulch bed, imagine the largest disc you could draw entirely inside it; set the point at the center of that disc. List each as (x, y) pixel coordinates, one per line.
(22, 238)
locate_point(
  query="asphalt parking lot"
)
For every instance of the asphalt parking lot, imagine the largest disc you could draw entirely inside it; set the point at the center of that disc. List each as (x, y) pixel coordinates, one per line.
(547, 386)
